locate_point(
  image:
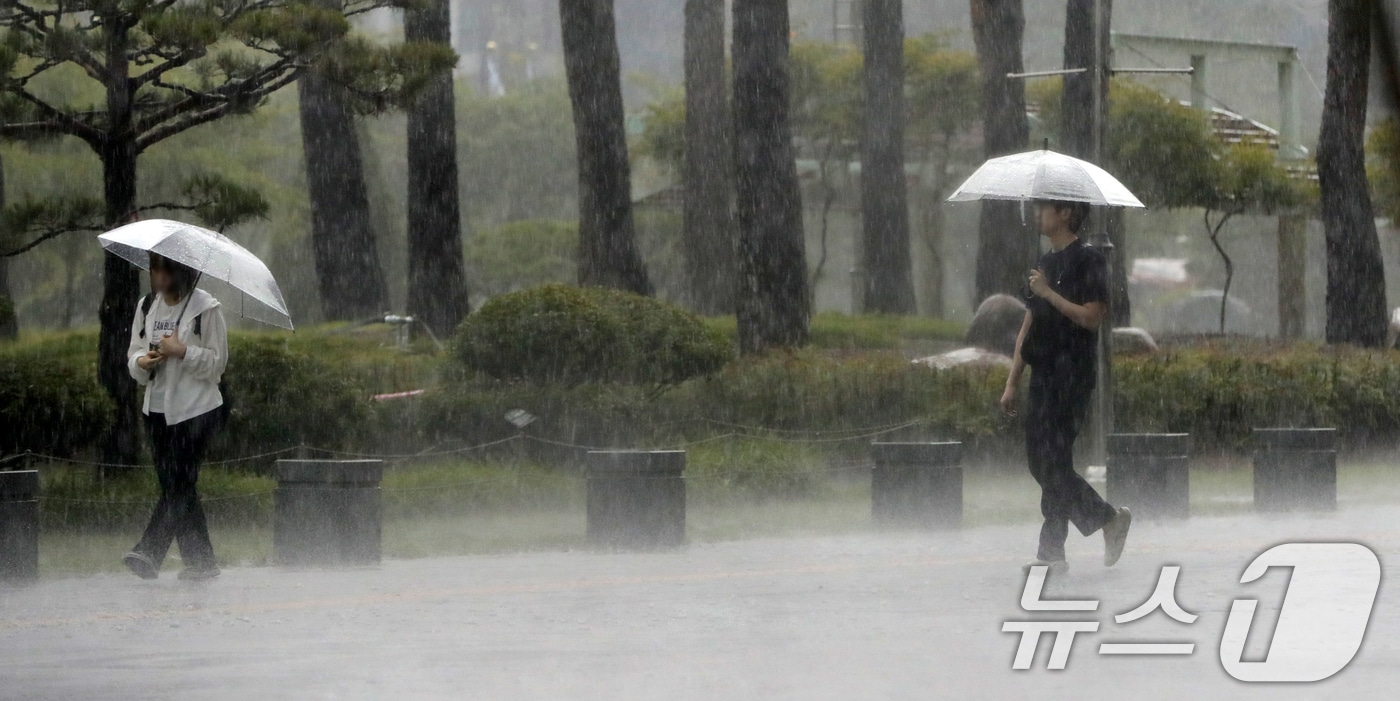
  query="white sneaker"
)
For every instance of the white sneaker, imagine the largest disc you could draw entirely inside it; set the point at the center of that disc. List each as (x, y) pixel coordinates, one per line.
(1115, 536)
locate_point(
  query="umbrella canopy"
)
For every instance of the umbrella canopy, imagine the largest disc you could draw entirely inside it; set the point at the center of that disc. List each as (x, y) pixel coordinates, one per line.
(216, 257)
(1044, 175)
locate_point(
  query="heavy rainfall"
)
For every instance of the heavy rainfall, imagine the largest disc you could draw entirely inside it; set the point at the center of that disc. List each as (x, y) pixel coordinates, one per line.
(699, 349)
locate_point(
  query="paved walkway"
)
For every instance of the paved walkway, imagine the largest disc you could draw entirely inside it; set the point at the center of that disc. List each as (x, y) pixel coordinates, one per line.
(905, 616)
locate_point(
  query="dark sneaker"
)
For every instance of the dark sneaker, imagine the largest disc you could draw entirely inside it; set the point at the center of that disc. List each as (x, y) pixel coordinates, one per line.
(1056, 566)
(140, 565)
(1115, 535)
(199, 574)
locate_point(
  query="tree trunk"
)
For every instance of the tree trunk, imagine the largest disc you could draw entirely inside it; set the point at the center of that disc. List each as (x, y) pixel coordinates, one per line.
(9, 325)
(1356, 302)
(884, 200)
(608, 255)
(437, 287)
(1292, 275)
(348, 272)
(1006, 248)
(121, 281)
(774, 306)
(708, 173)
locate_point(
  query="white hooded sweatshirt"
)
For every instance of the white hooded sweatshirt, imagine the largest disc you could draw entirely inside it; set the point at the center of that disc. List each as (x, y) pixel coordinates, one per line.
(183, 388)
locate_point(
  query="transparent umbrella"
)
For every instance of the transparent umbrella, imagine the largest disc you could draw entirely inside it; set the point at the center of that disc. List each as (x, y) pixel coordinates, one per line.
(1044, 175)
(214, 255)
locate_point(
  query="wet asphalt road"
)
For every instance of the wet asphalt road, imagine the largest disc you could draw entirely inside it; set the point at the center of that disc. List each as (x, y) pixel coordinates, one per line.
(867, 616)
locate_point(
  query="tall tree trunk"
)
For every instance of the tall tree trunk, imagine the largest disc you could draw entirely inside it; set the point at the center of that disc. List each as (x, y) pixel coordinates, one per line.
(121, 281)
(708, 171)
(437, 287)
(1077, 131)
(9, 325)
(348, 272)
(1356, 303)
(1006, 248)
(774, 306)
(608, 255)
(884, 199)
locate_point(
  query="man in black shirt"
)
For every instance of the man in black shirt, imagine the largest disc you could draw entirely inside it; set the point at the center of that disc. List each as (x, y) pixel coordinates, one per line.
(1067, 300)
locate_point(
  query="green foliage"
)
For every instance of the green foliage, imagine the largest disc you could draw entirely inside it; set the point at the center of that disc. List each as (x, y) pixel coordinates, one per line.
(1162, 150)
(837, 331)
(663, 131)
(49, 398)
(524, 141)
(520, 255)
(826, 93)
(944, 90)
(286, 392)
(1383, 167)
(1218, 396)
(571, 335)
(1249, 179)
(283, 397)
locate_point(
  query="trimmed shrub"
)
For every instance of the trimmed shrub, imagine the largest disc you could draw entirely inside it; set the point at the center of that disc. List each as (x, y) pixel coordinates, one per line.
(571, 335)
(50, 401)
(283, 398)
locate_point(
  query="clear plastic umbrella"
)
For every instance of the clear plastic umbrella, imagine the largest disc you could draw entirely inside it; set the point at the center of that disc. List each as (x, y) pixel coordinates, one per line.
(214, 255)
(1044, 175)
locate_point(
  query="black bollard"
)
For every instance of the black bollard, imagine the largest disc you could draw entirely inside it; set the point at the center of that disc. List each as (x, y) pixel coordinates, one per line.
(19, 526)
(1150, 473)
(636, 498)
(917, 485)
(1295, 468)
(327, 512)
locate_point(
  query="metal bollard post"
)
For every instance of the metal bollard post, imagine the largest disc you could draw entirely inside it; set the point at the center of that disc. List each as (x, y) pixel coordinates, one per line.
(19, 526)
(918, 485)
(1295, 468)
(327, 512)
(1150, 472)
(636, 498)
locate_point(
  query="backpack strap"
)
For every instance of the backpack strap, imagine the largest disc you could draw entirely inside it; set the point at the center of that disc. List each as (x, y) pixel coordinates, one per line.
(146, 303)
(196, 324)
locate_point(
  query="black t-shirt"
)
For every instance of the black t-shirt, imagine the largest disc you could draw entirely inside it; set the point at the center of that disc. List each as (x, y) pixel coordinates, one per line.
(1079, 273)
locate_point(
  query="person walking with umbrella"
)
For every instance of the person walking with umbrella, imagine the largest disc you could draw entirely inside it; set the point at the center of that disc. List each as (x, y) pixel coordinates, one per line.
(1067, 301)
(178, 352)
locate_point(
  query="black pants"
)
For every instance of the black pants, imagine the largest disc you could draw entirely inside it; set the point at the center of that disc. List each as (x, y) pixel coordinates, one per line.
(179, 516)
(1059, 398)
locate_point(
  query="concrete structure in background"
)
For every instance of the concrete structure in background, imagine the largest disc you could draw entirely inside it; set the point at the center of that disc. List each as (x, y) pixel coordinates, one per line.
(636, 498)
(1204, 52)
(1295, 469)
(327, 512)
(917, 485)
(1149, 473)
(19, 526)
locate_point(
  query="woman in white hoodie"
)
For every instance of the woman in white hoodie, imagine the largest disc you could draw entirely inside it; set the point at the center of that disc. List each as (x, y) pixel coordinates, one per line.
(178, 351)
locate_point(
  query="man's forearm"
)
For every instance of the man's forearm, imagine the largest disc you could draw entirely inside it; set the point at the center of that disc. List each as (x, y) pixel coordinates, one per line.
(1081, 315)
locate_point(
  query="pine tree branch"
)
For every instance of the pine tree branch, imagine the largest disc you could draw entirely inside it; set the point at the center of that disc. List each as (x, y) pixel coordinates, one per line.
(187, 117)
(62, 122)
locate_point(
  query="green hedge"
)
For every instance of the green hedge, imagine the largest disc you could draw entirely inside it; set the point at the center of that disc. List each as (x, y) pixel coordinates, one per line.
(313, 388)
(49, 397)
(286, 391)
(570, 335)
(1218, 395)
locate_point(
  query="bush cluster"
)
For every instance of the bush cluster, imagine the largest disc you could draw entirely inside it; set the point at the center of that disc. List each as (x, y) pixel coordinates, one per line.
(570, 335)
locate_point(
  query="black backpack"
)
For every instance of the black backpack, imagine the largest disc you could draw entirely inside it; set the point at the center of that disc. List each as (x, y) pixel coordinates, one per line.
(226, 409)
